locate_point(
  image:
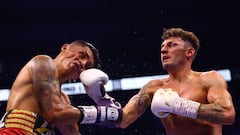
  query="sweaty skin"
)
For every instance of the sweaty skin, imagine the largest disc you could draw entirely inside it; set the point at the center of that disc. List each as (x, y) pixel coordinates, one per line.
(208, 88)
(37, 87)
(215, 110)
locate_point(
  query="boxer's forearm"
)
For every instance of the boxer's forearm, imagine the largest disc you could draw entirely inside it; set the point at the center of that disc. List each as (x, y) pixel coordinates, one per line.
(216, 113)
(66, 114)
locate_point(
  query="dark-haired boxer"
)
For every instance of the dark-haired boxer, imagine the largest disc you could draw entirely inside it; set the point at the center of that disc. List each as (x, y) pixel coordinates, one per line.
(37, 105)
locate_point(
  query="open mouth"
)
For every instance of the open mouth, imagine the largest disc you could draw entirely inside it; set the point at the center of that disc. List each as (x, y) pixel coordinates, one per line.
(164, 58)
(76, 66)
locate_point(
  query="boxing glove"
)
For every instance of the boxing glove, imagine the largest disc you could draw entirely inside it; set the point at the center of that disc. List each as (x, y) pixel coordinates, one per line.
(94, 80)
(168, 101)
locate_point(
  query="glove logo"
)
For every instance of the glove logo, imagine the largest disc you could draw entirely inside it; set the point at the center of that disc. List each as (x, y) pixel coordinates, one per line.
(112, 114)
(166, 103)
(167, 100)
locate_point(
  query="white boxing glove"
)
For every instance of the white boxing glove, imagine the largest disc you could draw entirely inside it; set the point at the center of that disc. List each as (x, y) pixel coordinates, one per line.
(94, 80)
(168, 101)
(161, 98)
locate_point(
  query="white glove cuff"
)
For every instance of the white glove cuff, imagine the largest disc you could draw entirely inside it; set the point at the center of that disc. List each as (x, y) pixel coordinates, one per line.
(109, 113)
(89, 114)
(185, 107)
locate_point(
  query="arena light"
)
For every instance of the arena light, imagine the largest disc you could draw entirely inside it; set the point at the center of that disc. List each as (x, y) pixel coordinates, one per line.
(127, 83)
(226, 74)
(118, 84)
(138, 82)
(4, 94)
(78, 88)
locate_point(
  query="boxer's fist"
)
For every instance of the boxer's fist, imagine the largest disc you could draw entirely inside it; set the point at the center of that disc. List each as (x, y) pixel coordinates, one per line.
(168, 101)
(94, 80)
(162, 102)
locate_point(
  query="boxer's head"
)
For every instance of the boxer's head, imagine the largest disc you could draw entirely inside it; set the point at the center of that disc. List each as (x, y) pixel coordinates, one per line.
(93, 49)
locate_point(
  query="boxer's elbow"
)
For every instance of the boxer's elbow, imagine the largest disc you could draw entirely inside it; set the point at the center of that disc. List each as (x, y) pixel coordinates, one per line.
(229, 117)
(123, 125)
(53, 118)
(127, 119)
(226, 116)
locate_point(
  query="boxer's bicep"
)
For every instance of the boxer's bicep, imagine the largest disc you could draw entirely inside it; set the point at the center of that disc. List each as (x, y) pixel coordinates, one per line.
(135, 107)
(219, 108)
(44, 81)
(142, 101)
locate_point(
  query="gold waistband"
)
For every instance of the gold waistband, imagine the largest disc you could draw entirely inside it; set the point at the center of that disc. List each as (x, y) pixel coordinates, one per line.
(21, 119)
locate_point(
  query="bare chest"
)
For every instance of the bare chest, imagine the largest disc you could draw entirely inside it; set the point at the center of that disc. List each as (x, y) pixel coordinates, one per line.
(192, 90)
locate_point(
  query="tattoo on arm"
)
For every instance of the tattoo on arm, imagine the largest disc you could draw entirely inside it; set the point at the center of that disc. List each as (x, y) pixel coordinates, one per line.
(211, 113)
(144, 97)
(44, 81)
(142, 102)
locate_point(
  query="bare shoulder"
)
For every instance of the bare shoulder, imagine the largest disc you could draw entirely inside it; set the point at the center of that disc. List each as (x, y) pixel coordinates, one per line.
(41, 62)
(31, 66)
(212, 74)
(42, 68)
(151, 86)
(41, 57)
(209, 73)
(212, 78)
(38, 59)
(154, 83)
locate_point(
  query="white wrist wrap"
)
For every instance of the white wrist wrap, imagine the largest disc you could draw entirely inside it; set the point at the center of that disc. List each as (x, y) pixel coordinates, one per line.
(110, 113)
(185, 107)
(103, 111)
(89, 114)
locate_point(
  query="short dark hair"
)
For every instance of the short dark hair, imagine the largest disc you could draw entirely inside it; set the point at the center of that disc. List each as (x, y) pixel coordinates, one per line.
(185, 35)
(93, 49)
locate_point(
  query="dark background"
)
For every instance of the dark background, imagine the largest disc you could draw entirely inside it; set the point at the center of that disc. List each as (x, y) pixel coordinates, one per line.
(127, 33)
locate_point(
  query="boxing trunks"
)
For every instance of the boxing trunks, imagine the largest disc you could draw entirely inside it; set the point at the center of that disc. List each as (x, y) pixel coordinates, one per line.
(22, 122)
